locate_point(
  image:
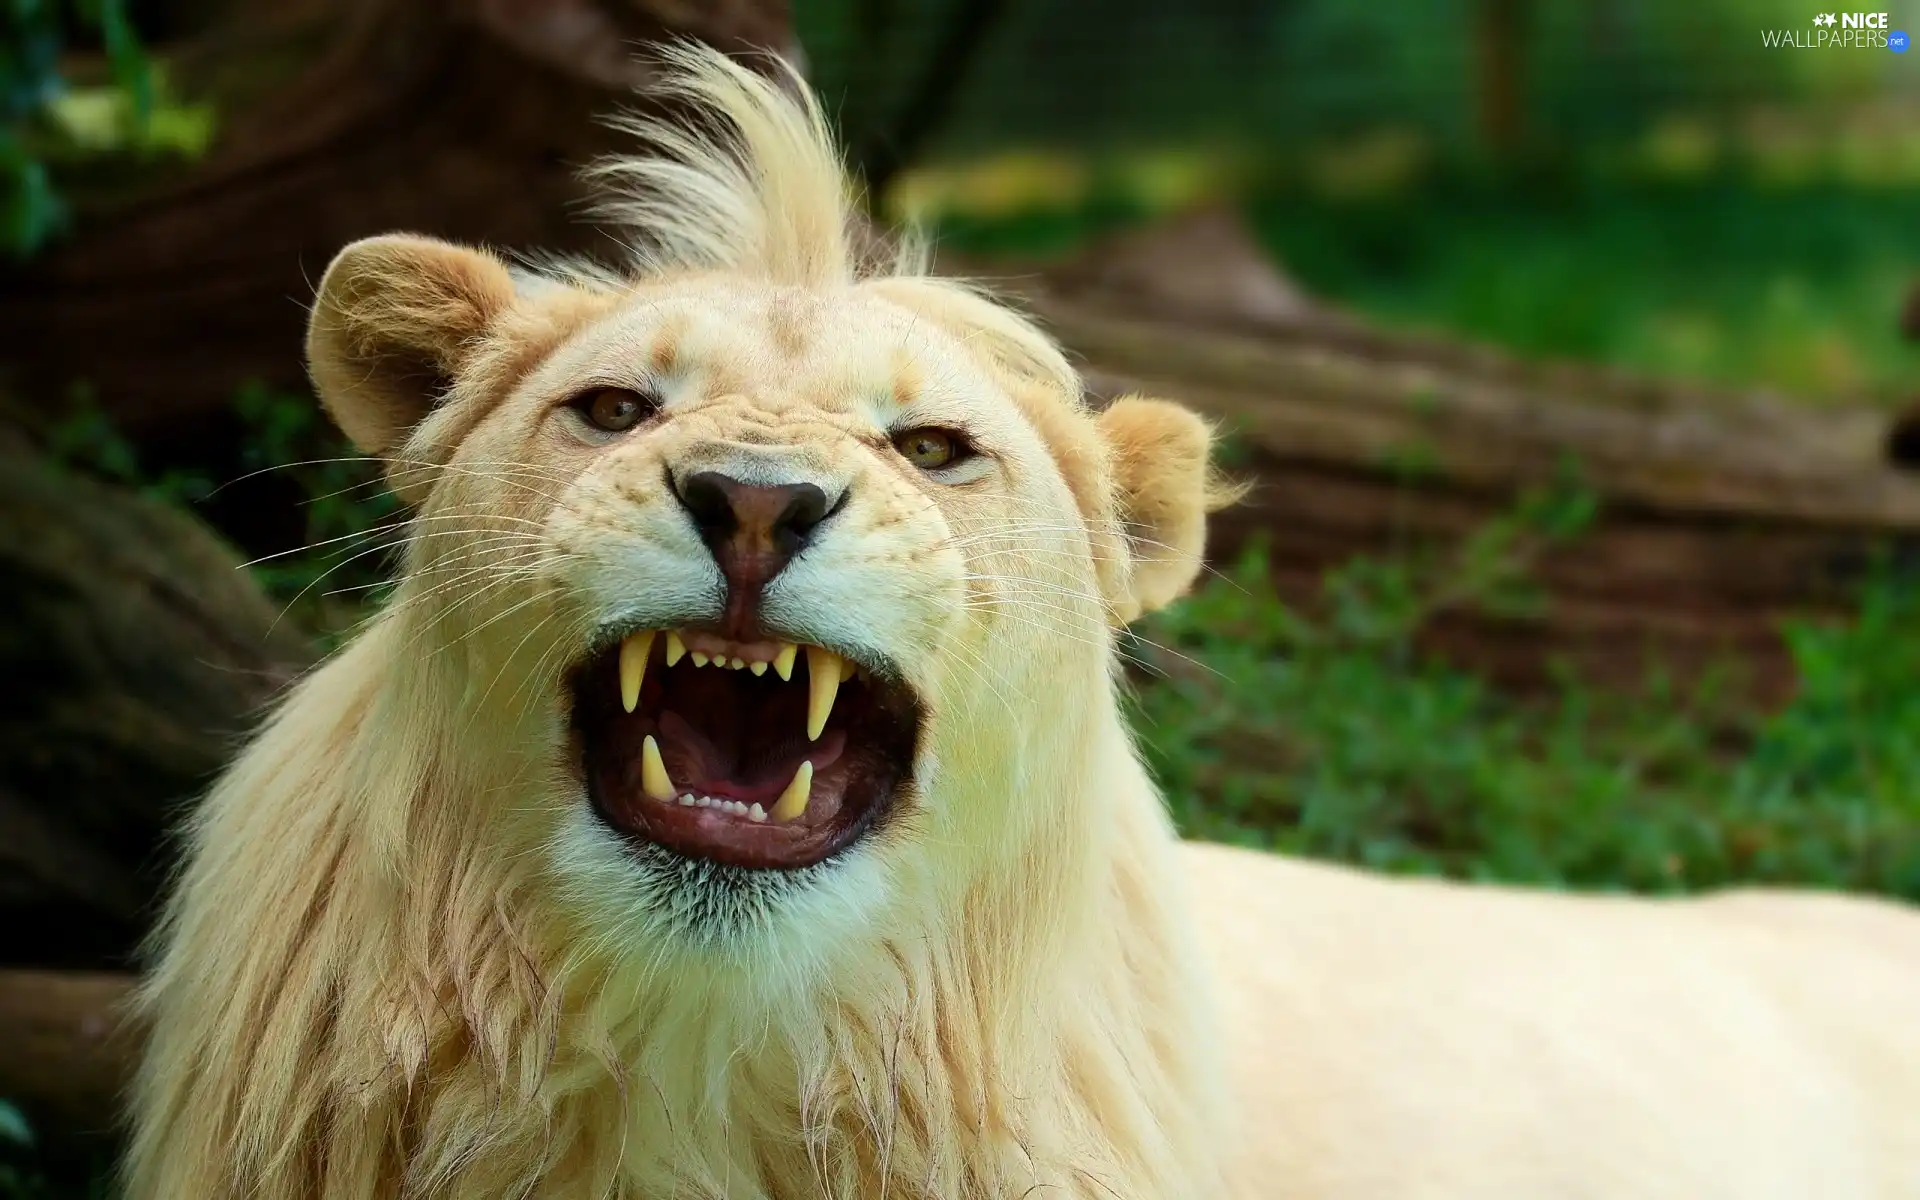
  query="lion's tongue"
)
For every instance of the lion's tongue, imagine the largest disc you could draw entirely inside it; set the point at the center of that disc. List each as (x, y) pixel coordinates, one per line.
(722, 761)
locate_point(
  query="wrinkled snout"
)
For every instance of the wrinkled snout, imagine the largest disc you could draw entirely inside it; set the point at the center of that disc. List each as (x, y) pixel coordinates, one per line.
(755, 512)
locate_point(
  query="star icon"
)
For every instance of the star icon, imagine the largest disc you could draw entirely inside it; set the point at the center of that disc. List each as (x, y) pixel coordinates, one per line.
(1824, 19)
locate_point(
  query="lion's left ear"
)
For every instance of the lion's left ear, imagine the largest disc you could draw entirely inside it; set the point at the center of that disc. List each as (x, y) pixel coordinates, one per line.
(1164, 487)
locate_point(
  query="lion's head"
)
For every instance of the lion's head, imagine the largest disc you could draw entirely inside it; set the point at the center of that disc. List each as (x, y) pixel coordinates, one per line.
(735, 782)
(802, 557)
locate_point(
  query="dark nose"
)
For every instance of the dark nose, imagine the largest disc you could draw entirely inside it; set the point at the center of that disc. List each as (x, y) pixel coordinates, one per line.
(753, 529)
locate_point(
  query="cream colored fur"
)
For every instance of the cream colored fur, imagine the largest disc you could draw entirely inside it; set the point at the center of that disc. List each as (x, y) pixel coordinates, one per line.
(404, 958)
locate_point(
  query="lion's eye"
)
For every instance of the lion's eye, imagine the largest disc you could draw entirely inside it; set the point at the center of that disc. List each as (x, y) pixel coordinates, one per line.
(931, 449)
(613, 409)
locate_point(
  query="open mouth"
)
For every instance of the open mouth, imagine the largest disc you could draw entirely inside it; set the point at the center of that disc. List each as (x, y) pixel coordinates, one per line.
(754, 754)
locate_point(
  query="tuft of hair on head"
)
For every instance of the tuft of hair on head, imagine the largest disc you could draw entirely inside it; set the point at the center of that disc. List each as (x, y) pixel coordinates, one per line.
(737, 174)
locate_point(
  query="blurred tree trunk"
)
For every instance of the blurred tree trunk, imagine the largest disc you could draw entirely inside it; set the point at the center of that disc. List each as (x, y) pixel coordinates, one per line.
(135, 651)
(469, 119)
(1903, 440)
(69, 1048)
(885, 146)
(1500, 29)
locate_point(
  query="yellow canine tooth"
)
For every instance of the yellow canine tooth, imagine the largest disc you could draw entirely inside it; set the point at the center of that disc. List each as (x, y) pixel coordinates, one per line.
(633, 666)
(653, 773)
(846, 670)
(792, 804)
(823, 684)
(783, 661)
(699, 659)
(758, 668)
(675, 647)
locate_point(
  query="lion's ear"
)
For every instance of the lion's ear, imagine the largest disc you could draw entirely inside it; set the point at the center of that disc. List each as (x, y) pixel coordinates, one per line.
(1164, 487)
(395, 319)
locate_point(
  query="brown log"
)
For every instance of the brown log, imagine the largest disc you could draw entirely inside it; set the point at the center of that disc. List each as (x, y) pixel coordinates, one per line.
(67, 1047)
(135, 650)
(1722, 515)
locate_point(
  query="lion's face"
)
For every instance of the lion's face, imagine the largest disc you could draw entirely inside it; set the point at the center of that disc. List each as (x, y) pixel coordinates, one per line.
(776, 558)
(792, 585)
(785, 525)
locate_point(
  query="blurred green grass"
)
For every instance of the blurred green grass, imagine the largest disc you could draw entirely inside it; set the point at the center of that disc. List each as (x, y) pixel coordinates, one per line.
(1796, 290)
(1327, 736)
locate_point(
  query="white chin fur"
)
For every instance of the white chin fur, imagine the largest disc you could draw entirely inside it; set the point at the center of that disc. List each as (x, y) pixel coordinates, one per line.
(660, 907)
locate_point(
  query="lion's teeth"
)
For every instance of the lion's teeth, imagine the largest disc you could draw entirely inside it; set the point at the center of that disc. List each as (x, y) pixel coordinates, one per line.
(823, 682)
(675, 647)
(756, 814)
(846, 670)
(792, 804)
(737, 664)
(653, 773)
(758, 668)
(633, 667)
(699, 659)
(689, 800)
(783, 661)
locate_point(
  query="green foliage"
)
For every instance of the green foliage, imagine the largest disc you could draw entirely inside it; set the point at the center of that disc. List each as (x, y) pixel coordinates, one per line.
(52, 126)
(19, 1179)
(32, 33)
(31, 1169)
(350, 513)
(1040, 232)
(1328, 735)
(24, 1173)
(1838, 773)
(88, 441)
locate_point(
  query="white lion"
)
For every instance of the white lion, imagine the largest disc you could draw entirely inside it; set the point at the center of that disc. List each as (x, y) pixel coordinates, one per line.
(733, 801)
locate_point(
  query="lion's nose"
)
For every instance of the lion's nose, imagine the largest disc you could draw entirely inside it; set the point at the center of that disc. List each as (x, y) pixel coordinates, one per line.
(753, 529)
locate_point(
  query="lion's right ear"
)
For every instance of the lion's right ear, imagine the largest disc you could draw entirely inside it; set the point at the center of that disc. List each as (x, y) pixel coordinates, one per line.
(394, 321)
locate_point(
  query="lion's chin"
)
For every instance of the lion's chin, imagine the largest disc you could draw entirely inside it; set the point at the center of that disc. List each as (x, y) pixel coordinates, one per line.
(758, 754)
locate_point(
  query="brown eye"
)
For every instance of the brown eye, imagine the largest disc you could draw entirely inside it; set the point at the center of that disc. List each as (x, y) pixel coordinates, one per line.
(615, 410)
(931, 449)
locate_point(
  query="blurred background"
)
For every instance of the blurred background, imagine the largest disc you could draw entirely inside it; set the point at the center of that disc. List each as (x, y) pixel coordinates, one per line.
(1572, 348)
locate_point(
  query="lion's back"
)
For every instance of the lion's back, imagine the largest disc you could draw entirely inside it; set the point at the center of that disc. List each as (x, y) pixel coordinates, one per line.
(1417, 1038)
